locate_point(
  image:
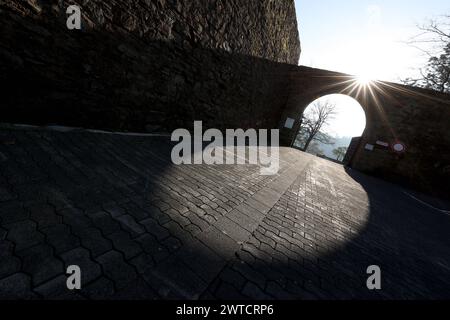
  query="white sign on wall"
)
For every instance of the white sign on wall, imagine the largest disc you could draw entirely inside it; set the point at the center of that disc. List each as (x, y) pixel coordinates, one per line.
(382, 143)
(289, 123)
(369, 147)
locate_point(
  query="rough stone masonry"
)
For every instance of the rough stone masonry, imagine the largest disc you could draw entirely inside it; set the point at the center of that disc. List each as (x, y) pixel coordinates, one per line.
(148, 65)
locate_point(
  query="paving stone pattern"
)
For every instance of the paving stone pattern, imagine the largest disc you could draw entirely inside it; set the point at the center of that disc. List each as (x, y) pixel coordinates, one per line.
(142, 228)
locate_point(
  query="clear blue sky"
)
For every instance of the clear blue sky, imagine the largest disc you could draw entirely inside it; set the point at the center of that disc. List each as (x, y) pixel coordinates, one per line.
(364, 37)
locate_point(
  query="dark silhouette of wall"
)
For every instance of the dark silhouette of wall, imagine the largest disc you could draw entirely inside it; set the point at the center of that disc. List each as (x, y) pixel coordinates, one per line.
(353, 146)
(147, 65)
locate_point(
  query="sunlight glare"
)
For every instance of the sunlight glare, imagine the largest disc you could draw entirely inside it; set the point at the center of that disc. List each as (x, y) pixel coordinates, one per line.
(363, 79)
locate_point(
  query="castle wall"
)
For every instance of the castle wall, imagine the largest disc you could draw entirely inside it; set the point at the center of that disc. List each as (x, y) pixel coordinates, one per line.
(147, 65)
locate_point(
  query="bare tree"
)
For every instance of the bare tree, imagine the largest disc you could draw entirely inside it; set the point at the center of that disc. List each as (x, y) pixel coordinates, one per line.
(313, 120)
(340, 153)
(314, 148)
(434, 42)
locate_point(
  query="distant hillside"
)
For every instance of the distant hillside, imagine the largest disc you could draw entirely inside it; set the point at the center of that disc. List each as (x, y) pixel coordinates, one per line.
(340, 142)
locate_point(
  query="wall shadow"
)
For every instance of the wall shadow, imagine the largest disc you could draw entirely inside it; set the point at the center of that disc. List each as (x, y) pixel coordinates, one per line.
(103, 79)
(406, 239)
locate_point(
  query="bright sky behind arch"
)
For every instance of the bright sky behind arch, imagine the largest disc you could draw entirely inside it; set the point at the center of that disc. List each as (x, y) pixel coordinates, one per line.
(363, 38)
(350, 119)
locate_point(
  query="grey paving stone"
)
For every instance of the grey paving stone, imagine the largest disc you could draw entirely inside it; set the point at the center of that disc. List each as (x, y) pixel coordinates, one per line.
(56, 289)
(156, 214)
(172, 244)
(114, 210)
(253, 292)
(60, 238)
(115, 267)
(143, 263)
(253, 209)
(105, 223)
(151, 246)
(39, 261)
(137, 212)
(5, 194)
(123, 243)
(178, 218)
(300, 293)
(44, 215)
(278, 292)
(9, 263)
(3, 234)
(219, 242)
(100, 289)
(76, 219)
(234, 278)
(93, 240)
(130, 225)
(161, 205)
(243, 220)
(12, 213)
(228, 292)
(202, 260)
(24, 234)
(184, 284)
(174, 229)
(267, 197)
(16, 286)
(235, 231)
(155, 229)
(193, 229)
(249, 273)
(137, 290)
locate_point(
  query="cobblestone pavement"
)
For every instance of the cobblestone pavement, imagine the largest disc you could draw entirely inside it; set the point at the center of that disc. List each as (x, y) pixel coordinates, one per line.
(142, 228)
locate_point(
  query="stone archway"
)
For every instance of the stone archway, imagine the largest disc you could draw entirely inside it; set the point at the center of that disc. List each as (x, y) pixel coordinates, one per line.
(396, 116)
(347, 122)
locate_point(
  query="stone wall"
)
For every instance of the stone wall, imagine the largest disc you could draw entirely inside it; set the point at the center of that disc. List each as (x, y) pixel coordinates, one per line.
(144, 65)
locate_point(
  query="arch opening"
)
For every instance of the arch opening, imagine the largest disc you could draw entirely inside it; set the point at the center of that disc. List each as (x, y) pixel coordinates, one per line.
(331, 127)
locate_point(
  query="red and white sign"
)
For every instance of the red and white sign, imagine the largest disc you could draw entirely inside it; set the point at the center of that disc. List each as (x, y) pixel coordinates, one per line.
(399, 147)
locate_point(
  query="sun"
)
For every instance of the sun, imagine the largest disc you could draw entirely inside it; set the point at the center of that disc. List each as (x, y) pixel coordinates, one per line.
(364, 79)
(366, 71)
